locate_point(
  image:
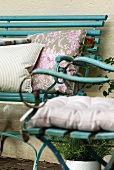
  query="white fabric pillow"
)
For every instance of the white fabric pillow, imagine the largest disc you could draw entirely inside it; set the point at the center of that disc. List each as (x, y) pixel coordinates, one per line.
(14, 61)
(76, 112)
(13, 41)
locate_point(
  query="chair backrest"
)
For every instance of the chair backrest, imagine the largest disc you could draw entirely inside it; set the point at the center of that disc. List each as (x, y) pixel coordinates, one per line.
(21, 26)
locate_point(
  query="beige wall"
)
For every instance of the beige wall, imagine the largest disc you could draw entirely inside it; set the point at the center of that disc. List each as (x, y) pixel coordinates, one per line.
(59, 7)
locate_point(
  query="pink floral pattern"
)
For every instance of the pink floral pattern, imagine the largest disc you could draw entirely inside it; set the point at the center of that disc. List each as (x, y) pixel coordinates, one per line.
(56, 44)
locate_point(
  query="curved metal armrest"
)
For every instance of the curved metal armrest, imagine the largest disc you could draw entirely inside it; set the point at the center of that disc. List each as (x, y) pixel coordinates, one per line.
(67, 58)
(86, 80)
(94, 62)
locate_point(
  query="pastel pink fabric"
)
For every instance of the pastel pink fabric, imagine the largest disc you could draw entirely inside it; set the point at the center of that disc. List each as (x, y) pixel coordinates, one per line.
(76, 112)
(56, 43)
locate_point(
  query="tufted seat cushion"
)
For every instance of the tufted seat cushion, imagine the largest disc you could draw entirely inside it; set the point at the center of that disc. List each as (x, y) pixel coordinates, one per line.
(76, 112)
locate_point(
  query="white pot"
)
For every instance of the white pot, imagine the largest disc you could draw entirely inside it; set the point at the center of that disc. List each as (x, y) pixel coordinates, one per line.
(83, 165)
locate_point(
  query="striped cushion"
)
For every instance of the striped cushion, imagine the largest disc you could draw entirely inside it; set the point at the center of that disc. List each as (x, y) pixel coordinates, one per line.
(14, 61)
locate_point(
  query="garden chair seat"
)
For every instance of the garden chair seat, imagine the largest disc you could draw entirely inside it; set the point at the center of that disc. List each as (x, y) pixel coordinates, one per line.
(75, 112)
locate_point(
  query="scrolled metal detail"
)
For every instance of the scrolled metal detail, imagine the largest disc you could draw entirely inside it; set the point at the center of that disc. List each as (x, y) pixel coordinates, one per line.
(36, 93)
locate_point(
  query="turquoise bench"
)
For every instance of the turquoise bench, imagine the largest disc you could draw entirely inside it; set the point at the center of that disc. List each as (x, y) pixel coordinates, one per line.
(21, 26)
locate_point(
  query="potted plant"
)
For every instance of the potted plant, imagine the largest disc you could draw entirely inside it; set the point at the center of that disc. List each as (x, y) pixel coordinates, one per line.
(76, 155)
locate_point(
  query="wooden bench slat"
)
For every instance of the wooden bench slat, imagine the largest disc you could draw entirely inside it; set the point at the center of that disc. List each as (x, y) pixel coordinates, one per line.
(51, 24)
(97, 40)
(104, 135)
(28, 97)
(34, 131)
(96, 48)
(56, 132)
(15, 94)
(80, 134)
(56, 17)
(5, 96)
(16, 99)
(27, 32)
(94, 32)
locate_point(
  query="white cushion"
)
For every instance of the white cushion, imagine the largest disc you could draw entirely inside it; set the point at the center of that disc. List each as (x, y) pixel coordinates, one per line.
(14, 61)
(76, 112)
(13, 41)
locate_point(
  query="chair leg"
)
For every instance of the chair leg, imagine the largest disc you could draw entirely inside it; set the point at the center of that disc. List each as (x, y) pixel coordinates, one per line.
(36, 162)
(110, 164)
(2, 140)
(54, 150)
(93, 153)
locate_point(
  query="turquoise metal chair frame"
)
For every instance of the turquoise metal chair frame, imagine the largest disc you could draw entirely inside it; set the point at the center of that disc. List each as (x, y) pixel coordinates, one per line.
(43, 134)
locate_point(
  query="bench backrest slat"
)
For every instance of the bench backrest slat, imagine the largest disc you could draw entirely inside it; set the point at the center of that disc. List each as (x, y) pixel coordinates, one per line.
(51, 24)
(26, 32)
(56, 17)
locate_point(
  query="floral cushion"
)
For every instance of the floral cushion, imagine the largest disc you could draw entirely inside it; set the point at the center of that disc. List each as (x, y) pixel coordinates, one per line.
(56, 44)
